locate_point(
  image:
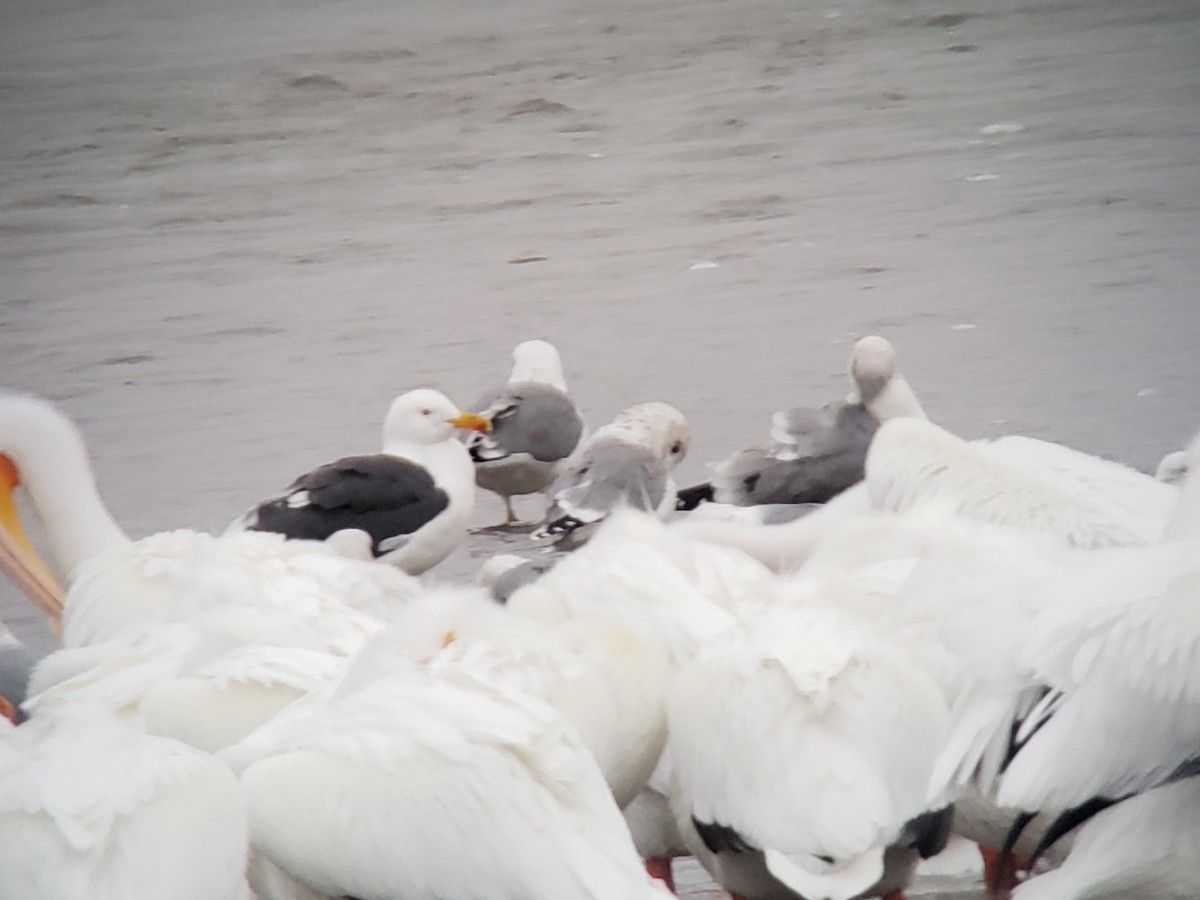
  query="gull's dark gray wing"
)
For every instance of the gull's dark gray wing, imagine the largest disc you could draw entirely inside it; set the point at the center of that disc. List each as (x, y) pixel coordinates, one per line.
(834, 441)
(531, 418)
(608, 475)
(833, 430)
(387, 497)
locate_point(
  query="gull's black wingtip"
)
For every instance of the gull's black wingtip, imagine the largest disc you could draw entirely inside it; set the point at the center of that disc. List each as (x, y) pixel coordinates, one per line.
(690, 498)
(558, 529)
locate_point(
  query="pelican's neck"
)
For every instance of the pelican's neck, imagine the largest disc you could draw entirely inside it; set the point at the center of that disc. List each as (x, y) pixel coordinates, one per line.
(896, 400)
(54, 469)
(1185, 518)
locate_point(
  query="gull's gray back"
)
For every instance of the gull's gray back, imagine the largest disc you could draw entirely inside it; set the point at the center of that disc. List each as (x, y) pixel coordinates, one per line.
(531, 418)
(609, 474)
(824, 457)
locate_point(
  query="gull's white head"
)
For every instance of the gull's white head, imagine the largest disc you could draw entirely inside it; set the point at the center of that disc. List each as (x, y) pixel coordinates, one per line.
(538, 361)
(656, 425)
(426, 416)
(872, 365)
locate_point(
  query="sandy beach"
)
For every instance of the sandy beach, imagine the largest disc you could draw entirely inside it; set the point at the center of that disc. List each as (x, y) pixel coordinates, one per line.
(231, 232)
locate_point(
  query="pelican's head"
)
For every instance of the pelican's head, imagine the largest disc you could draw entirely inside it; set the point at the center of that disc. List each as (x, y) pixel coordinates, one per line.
(18, 560)
(1174, 467)
(427, 416)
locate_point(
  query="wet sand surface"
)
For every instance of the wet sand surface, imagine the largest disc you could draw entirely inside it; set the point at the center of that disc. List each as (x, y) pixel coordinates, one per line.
(232, 232)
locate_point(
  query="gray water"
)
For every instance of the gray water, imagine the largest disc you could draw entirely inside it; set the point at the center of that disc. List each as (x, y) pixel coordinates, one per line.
(232, 232)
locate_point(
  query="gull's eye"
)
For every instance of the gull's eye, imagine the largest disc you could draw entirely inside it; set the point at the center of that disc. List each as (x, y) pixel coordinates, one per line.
(676, 447)
(427, 412)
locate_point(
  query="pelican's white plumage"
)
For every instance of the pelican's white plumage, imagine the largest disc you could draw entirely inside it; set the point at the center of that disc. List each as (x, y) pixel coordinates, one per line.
(608, 683)
(91, 808)
(361, 791)
(174, 576)
(1028, 485)
(117, 583)
(1120, 649)
(1141, 849)
(1031, 487)
(1072, 647)
(674, 592)
(812, 737)
(207, 682)
(1172, 468)
(1084, 689)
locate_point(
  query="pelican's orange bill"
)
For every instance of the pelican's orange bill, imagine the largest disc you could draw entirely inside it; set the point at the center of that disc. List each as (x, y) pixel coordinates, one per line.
(18, 559)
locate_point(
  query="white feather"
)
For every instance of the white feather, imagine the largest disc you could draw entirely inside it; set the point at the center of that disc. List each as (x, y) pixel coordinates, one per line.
(810, 735)
(361, 792)
(1141, 849)
(92, 809)
(912, 462)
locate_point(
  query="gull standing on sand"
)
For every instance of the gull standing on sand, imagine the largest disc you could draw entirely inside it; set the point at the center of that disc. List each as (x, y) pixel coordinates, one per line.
(414, 501)
(535, 427)
(816, 454)
(626, 463)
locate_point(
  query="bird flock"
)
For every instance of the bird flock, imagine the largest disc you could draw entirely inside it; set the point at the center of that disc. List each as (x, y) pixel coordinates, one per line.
(856, 642)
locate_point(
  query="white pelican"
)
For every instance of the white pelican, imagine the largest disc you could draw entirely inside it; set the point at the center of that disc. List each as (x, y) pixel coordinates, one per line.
(607, 682)
(1034, 486)
(802, 743)
(1086, 693)
(414, 500)
(536, 427)
(1026, 485)
(1173, 467)
(671, 592)
(815, 454)
(366, 789)
(625, 463)
(117, 583)
(1141, 849)
(91, 808)
(208, 681)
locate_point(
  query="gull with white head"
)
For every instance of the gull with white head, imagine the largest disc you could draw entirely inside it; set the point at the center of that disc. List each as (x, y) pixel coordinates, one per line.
(413, 501)
(625, 463)
(816, 454)
(535, 427)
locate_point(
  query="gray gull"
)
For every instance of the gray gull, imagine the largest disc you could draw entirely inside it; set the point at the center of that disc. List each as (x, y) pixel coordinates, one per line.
(815, 454)
(626, 463)
(535, 427)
